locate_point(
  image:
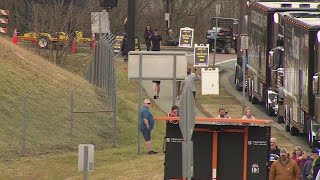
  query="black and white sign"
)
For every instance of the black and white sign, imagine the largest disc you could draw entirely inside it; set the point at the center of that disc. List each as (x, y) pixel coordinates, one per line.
(255, 168)
(201, 55)
(186, 37)
(174, 140)
(257, 143)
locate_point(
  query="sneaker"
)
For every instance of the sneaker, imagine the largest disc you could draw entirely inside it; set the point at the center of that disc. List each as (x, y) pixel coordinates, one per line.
(177, 97)
(155, 96)
(152, 152)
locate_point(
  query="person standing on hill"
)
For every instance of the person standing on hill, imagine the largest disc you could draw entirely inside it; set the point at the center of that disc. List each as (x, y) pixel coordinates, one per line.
(156, 46)
(147, 124)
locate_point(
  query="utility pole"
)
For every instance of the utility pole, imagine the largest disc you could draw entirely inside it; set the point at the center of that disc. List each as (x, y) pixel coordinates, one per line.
(167, 16)
(131, 30)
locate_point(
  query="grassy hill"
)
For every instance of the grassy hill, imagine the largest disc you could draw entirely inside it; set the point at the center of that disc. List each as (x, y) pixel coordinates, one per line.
(42, 119)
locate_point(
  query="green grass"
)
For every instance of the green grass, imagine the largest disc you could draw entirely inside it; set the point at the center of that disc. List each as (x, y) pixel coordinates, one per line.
(51, 153)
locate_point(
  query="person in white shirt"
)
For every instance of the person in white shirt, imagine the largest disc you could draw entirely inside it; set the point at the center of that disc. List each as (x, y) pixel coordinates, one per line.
(248, 114)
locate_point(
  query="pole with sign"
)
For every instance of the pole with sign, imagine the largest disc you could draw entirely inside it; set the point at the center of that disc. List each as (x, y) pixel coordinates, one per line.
(216, 34)
(186, 37)
(201, 55)
(186, 124)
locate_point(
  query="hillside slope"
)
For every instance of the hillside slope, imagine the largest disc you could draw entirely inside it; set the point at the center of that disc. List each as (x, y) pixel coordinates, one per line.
(42, 120)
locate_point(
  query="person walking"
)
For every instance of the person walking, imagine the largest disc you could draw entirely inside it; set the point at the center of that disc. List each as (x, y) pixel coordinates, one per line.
(307, 172)
(190, 80)
(148, 34)
(299, 156)
(156, 46)
(147, 124)
(316, 166)
(284, 168)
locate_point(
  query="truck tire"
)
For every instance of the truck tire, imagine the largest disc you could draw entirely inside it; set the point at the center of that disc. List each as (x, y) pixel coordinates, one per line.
(294, 131)
(219, 50)
(254, 100)
(227, 48)
(287, 128)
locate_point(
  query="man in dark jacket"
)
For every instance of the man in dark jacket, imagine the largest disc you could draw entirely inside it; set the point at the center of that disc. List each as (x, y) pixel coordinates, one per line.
(316, 167)
(273, 146)
(307, 169)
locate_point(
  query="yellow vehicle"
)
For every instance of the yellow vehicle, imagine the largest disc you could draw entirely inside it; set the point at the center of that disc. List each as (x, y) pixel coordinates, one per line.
(45, 39)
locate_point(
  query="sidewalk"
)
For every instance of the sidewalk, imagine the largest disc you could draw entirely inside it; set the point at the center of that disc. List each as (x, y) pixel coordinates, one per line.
(166, 94)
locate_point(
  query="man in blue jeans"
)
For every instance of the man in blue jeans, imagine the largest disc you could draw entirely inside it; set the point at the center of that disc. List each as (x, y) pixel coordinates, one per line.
(147, 124)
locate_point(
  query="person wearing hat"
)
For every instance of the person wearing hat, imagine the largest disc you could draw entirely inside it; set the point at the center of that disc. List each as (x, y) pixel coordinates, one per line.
(284, 168)
(190, 80)
(307, 168)
(147, 124)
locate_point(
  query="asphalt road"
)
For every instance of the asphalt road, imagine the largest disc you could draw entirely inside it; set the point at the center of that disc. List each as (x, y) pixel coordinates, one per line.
(227, 81)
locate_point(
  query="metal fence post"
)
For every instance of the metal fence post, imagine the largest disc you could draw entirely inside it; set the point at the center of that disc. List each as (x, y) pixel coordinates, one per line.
(71, 113)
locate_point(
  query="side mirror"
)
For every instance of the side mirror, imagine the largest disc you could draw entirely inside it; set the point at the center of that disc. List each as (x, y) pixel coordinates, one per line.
(280, 72)
(315, 85)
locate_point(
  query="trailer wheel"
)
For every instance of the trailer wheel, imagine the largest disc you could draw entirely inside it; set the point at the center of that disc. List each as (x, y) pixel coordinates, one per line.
(43, 42)
(287, 128)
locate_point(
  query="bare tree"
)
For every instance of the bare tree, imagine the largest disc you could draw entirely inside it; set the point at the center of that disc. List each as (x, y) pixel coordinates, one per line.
(60, 19)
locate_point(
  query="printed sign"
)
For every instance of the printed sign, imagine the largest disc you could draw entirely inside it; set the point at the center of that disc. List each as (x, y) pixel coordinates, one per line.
(257, 143)
(255, 168)
(118, 44)
(174, 140)
(186, 37)
(201, 55)
(137, 44)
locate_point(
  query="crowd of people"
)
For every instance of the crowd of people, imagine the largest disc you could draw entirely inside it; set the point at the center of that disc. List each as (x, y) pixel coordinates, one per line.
(298, 165)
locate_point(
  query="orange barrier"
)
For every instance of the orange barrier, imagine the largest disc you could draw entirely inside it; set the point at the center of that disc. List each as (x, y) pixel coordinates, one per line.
(14, 37)
(73, 46)
(205, 119)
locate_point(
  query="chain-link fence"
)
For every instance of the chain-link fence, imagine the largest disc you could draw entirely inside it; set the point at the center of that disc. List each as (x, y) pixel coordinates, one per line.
(59, 115)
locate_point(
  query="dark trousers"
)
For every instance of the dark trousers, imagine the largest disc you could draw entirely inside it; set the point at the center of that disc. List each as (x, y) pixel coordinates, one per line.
(148, 44)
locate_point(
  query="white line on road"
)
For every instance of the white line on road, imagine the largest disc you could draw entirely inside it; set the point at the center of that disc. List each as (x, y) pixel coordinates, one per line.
(226, 61)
